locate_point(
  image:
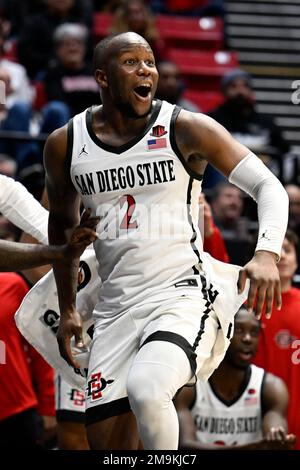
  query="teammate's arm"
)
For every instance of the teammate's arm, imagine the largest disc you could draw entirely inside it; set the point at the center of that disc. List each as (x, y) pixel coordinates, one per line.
(200, 139)
(275, 399)
(64, 205)
(187, 428)
(19, 256)
(275, 441)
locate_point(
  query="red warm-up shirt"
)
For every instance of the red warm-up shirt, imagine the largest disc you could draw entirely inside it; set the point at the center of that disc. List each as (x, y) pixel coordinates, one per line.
(26, 380)
(215, 246)
(279, 352)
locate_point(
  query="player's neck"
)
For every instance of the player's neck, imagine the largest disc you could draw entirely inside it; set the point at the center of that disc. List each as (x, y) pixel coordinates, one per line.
(227, 380)
(123, 124)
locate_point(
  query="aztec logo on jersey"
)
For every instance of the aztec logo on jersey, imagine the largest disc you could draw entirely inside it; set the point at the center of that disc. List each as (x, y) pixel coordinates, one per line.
(77, 397)
(284, 339)
(96, 385)
(158, 131)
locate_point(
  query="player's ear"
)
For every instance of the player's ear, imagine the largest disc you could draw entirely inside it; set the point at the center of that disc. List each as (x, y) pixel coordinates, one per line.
(101, 78)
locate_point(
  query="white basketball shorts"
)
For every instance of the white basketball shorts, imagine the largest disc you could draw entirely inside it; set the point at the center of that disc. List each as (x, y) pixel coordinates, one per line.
(69, 402)
(188, 320)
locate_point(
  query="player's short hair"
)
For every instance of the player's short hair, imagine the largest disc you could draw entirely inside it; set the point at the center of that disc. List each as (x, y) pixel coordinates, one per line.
(100, 55)
(103, 51)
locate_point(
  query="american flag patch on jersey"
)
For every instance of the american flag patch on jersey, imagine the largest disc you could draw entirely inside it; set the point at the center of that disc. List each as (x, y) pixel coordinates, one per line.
(156, 144)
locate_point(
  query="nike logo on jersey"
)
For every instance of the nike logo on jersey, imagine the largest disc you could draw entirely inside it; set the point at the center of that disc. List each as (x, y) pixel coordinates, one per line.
(83, 151)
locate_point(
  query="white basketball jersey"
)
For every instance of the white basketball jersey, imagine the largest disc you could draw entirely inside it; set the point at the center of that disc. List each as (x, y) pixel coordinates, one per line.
(235, 423)
(148, 205)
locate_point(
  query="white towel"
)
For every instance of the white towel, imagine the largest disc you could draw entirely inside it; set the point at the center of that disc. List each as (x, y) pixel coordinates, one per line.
(38, 317)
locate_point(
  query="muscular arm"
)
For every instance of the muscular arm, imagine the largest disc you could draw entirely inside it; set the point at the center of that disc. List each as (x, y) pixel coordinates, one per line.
(275, 402)
(275, 398)
(200, 140)
(17, 256)
(64, 207)
(187, 428)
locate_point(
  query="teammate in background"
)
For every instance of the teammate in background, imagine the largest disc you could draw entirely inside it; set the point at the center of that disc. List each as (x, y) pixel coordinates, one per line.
(121, 159)
(21, 208)
(241, 406)
(17, 256)
(278, 347)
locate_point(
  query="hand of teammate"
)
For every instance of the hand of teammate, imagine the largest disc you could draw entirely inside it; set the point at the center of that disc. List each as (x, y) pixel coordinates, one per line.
(82, 236)
(277, 439)
(70, 325)
(264, 283)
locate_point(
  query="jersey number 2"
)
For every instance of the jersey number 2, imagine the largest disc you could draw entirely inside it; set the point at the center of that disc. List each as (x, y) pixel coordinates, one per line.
(126, 223)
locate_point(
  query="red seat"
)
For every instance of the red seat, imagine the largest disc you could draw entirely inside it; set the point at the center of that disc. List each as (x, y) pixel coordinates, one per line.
(205, 100)
(187, 32)
(102, 24)
(203, 70)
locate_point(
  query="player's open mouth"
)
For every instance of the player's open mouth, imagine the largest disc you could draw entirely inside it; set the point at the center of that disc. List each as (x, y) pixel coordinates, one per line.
(143, 92)
(246, 355)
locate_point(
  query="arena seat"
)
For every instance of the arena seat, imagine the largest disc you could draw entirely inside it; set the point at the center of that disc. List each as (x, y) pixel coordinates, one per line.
(203, 70)
(191, 33)
(102, 24)
(205, 100)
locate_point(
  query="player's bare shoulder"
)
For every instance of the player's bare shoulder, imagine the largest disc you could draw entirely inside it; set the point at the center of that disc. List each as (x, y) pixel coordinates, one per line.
(55, 150)
(193, 131)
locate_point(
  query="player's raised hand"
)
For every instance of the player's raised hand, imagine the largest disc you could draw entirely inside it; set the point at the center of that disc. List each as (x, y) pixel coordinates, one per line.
(264, 283)
(82, 236)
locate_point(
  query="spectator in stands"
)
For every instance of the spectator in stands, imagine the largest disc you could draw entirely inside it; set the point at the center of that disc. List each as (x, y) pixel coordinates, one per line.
(8, 166)
(69, 85)
(279, 343)
(240, 407)
(240, 117)
(170, 86)
(294, 207)
(16, 107)
(35, 45)
(26, 380)
(107, 5)
(134, 15)
(213, 242)
(15, 11)
(227, 206)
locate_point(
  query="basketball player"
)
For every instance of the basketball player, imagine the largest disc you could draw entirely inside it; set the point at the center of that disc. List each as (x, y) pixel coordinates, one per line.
(17, 256)
(131, 160)
(241, 406)
(24, 211)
